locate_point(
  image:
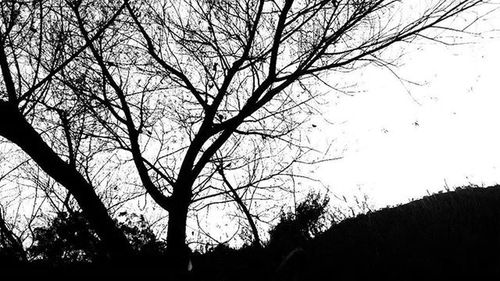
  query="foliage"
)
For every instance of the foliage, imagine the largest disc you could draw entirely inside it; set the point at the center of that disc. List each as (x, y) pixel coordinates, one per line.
(140, 235)
(295, 228)
(68, 238)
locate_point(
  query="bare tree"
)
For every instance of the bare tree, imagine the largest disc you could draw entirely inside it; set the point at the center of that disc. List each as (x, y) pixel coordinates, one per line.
(36, 44)
(205, 98)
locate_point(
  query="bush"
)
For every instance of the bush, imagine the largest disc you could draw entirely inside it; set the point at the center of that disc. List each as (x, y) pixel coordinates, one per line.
(68, 238)
(141, 236)
(295, 229)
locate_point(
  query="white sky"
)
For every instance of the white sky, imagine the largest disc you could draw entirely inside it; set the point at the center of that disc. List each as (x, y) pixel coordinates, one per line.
(457, 139)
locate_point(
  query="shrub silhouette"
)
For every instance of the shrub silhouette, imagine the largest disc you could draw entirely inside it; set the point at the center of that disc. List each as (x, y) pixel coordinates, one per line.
(293, 230)
(296, 228)
(68, 238)
(141, 236)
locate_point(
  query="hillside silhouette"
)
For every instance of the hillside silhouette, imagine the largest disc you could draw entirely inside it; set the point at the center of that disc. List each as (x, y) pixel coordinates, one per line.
(453, 234)
(445, 235)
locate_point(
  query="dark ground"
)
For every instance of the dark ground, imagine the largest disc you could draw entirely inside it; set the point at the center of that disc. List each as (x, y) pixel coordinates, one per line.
(446, 236)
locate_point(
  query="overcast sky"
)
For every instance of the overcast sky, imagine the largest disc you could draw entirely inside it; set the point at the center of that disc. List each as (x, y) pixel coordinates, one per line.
(398, 145)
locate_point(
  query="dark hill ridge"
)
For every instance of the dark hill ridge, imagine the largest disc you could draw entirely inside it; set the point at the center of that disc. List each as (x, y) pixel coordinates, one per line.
(439, 237)
(448, 234)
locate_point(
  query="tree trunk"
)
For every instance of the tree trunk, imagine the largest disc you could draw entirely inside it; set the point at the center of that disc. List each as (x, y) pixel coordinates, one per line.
(15, 128)
(176, 235)
(177, 250)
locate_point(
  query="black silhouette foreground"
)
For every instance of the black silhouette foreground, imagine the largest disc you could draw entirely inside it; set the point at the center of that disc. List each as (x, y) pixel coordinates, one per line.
(446, 235)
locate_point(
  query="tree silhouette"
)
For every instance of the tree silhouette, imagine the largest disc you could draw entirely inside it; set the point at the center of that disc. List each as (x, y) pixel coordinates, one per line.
(205, 99)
